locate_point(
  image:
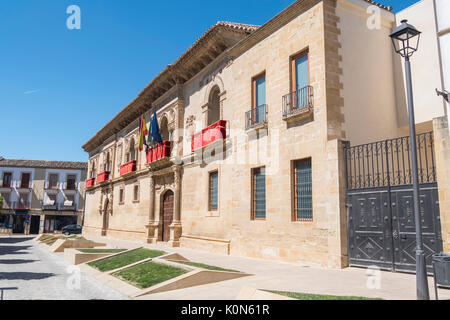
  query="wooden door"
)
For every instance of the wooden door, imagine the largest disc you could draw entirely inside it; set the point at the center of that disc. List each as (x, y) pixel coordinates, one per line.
(168, 203)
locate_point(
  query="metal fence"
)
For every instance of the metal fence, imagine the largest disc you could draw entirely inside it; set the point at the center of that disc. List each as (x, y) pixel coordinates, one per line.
(388, 163)
(298, 101)
(255, 116)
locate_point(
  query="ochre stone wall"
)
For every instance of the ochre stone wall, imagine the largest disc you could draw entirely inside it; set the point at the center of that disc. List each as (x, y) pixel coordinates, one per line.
(442, 151)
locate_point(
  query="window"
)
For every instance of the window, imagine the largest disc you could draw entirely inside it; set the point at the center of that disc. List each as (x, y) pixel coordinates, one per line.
(300, 79)
(93, 169)
(71, 182)
(259, 194)
(53, 181)
(213, 191)
(259, 99)
(7, 179)
(136, 193)
(303, 190)
(259, 90)
(214, 106)
(25, 180)
(121, 195)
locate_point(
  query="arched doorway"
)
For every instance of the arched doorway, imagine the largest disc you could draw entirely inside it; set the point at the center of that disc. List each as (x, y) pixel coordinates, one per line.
(167, 214)
(214, 106)
(105, 216)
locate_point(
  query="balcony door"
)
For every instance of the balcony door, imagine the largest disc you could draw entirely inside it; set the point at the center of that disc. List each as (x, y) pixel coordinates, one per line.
(25, 181)
(7, 179)
(300, 80)
(259, 99)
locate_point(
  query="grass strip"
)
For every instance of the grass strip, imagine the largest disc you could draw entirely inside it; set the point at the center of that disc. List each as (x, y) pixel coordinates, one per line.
(125, 259)
(307, 296)
(204, 266)
(148, 274)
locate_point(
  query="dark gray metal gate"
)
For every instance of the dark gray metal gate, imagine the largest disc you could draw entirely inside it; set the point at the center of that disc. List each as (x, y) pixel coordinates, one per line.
(381, 226)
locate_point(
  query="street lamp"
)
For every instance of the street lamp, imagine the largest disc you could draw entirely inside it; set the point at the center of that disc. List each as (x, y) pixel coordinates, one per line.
(405, 39)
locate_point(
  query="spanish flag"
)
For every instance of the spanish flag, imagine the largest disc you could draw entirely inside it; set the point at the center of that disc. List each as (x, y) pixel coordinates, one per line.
(143, 131)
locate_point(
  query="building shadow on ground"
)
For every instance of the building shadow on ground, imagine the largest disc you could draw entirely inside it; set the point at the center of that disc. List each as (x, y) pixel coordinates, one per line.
(4, 250)
(16, 261)
(14, 240)
(25, 275)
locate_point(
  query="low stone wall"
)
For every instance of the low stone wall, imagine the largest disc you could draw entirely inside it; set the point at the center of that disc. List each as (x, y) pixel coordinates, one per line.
(62, 244)
(207, 244)
(76, 257)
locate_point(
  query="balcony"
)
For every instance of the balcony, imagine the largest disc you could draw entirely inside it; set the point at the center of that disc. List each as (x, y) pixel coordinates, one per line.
(298, 105)
(214, 132)
(90, 182)
(256, 118)
(21, 205)
(50, 205)
(128, 168)
(54, 206)
(67, 205)
(158, 152)
(5, 186)
(103, 177)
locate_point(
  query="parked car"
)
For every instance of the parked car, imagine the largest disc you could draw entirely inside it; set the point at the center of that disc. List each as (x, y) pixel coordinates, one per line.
(72, 229)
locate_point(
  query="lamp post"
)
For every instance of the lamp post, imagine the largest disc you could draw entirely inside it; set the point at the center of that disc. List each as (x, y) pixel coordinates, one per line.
(405, 39)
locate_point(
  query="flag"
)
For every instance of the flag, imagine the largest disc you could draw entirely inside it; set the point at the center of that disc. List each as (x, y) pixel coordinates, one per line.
(143, 131)
(154, 136)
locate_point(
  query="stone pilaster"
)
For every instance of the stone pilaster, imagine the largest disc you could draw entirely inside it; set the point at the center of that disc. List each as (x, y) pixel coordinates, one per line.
(175, 227)
(442, 152)
(153, 226)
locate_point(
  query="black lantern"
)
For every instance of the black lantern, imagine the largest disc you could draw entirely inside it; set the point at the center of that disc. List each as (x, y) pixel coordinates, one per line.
(408, 39)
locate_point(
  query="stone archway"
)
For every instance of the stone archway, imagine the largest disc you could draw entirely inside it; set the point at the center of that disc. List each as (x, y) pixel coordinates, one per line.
(167, 213)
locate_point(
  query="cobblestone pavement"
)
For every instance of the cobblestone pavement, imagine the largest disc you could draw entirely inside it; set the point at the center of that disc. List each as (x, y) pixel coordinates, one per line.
(38, 274)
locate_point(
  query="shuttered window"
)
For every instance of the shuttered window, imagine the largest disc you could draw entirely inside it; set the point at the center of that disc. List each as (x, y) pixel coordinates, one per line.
(259, 194)
(213, 191)
(303, 190)
(25, 181)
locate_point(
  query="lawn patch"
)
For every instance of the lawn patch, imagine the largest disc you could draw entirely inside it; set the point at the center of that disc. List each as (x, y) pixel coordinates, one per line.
(125, 259)
(148, 274)
(101, 250)
(307, 296)
(204, 266)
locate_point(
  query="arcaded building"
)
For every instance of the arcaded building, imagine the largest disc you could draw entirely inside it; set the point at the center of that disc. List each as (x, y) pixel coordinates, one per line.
(258, 124)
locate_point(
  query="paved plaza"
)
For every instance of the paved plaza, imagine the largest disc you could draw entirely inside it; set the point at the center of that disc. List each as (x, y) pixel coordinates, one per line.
(39, 274)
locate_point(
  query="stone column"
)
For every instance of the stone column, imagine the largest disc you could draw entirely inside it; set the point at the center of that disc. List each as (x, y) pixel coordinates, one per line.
(175, 227)
(152, 227)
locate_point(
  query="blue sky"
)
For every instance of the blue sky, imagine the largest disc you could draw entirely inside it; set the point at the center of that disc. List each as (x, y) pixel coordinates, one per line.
(58, 87)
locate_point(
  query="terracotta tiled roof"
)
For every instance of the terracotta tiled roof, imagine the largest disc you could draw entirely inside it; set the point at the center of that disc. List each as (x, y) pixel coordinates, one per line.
(389, 8)
(43, 164)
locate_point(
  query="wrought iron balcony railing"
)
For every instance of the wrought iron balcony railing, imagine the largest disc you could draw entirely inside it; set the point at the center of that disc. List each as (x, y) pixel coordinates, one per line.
(256, 117)
(298, 103)
(49, 206)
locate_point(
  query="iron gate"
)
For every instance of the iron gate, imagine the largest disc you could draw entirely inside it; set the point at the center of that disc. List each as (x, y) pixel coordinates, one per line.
(381, 226)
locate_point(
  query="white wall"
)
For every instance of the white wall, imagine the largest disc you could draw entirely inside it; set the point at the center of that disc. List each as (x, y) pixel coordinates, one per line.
(443, 23)
(425, 64)
(15, 182)
(62, 176)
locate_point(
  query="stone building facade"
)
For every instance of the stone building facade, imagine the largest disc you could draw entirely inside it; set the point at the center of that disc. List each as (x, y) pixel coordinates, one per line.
(41, 196)
(255, 119)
